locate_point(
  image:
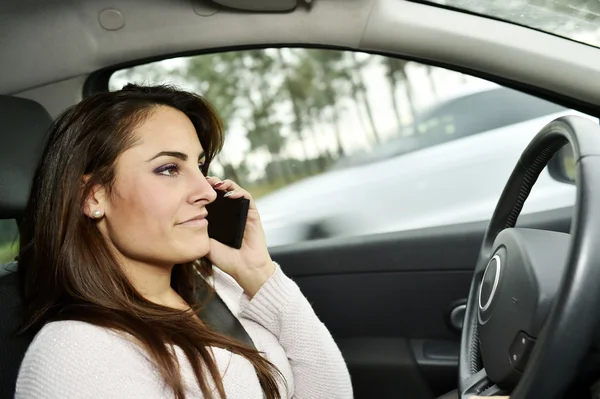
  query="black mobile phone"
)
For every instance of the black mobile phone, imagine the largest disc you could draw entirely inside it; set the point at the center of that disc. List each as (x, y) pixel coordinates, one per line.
(227, 219)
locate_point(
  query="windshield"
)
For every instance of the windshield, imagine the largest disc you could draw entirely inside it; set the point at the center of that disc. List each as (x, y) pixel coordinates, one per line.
(574, 19)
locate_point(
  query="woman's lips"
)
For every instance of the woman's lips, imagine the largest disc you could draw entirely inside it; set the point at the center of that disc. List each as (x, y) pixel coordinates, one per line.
(196, 221)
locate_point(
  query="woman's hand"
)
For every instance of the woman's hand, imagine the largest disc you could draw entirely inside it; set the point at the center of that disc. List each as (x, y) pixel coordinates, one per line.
(251, 265)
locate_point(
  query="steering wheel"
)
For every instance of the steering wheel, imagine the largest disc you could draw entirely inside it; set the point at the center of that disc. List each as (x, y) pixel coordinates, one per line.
(534, 297)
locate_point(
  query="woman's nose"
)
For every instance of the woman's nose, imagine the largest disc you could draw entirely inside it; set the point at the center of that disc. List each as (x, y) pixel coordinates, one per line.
(202, 189)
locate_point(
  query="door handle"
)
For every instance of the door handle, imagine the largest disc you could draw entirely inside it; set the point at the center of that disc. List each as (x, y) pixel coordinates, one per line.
(456, 317)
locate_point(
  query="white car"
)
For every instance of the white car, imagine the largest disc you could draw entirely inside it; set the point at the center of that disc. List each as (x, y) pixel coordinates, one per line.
(397, 187)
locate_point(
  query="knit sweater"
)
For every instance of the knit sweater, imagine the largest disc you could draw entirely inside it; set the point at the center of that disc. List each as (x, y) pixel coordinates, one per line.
(73, 359)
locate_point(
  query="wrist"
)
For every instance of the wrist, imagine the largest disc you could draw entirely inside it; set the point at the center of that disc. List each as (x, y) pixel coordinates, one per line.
(252, 279)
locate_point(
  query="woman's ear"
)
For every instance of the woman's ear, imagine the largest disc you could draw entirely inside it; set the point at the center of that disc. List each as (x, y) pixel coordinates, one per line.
(94, 205)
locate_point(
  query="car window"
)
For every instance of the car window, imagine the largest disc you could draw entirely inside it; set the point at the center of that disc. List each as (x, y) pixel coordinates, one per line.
(338, 143)
(466, 115)
(8, 240)
(460, 117)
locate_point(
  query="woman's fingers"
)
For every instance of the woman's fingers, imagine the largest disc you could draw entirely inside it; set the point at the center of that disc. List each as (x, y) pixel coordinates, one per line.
(233, 190)
(223, 185)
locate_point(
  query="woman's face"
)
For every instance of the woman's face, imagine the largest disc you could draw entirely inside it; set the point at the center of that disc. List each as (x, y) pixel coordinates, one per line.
(156, 212)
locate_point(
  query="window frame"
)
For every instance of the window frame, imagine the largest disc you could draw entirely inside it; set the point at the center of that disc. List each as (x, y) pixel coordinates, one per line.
(98, 81)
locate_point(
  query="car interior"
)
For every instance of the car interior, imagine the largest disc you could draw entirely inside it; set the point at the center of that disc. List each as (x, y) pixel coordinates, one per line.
(407, 308)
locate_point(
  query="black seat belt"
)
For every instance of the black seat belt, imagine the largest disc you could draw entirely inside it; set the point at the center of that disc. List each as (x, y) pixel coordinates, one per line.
(218, 317)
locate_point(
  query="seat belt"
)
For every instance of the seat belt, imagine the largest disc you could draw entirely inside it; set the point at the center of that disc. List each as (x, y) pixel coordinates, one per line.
(219, 318)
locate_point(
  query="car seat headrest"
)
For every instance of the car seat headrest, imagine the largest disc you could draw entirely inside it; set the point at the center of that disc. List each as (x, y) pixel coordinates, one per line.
(22, 141)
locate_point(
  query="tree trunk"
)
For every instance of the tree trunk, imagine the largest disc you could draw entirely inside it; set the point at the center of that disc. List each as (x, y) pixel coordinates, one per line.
(283, 170)
(409, 95)
(395, 105)
(272, 172)
(298, 123)
(370, 115)
(327, 150)
(231, 173)
(335, 114)
(338, 133)
(361, 120)
(359, 84)
(432, 82)
(319, 160)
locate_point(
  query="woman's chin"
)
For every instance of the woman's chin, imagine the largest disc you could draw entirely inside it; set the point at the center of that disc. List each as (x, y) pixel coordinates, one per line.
(194, 252)
(190, 248)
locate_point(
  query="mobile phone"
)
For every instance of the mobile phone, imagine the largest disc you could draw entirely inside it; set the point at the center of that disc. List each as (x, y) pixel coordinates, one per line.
(227, 219)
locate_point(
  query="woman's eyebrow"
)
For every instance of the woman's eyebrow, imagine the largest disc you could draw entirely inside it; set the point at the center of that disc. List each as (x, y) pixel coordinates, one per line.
(174, 154)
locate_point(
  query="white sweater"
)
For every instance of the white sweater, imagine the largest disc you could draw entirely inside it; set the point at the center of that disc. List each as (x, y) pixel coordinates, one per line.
(72, 359)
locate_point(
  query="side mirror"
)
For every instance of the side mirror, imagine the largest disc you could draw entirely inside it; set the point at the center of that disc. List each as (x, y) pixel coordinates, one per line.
(562, 165)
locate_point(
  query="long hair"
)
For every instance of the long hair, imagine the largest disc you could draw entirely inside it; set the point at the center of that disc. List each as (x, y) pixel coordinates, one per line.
(66, 268)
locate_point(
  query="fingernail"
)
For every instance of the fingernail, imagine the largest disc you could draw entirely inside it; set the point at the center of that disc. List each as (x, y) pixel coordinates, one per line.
(228, 194)
(218, 184)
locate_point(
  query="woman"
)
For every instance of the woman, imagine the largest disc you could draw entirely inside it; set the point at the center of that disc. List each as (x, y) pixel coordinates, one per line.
(112, 241)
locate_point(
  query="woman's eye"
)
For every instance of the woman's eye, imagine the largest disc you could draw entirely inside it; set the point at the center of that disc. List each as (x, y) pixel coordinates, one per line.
(168, 170)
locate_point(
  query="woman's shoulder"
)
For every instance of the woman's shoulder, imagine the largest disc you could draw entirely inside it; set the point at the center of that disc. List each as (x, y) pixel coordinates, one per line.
(67, 358)
(70, 327)
(61, 335)
(72, 341)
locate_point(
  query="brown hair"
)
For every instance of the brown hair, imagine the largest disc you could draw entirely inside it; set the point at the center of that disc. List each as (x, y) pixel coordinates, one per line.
(66, 268)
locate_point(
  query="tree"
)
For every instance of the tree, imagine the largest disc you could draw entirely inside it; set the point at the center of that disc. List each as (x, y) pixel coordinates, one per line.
(396, 73)
(216, 77)
(313, 103)
(297, 86)
(359, 89)
(264, 131)
(329, 84)
(429, 70)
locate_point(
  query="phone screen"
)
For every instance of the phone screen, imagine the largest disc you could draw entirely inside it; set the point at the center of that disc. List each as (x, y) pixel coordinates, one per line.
(227, 219)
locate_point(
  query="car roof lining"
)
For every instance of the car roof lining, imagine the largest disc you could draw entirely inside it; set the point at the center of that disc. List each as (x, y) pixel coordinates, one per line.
(66, 38)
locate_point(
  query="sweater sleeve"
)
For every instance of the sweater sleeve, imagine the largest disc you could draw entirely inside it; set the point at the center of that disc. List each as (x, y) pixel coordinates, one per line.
(317, 364)
(71, 359)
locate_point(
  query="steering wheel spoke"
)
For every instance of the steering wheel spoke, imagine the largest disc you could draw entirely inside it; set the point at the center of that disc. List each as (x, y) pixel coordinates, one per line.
(479, 384)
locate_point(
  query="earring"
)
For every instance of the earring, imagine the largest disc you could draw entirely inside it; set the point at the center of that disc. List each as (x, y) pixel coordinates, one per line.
(97, 214)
